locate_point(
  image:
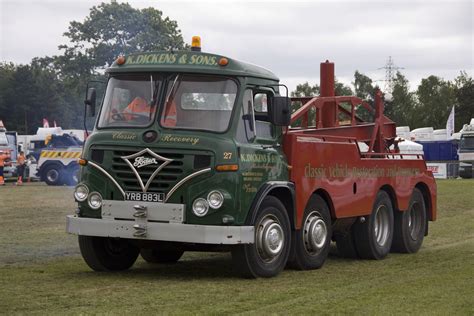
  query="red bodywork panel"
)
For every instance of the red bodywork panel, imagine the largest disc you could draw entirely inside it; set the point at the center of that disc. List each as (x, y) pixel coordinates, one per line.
(349, 180)
(325, 157)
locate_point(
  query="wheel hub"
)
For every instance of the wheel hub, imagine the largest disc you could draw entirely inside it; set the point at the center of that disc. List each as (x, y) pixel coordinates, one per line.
(315, 233)
(414, 221)
(52, 175)
(381, 225)
(270, 238)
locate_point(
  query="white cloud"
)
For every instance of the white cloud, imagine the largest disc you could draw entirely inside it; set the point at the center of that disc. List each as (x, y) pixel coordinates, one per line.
(289, 38)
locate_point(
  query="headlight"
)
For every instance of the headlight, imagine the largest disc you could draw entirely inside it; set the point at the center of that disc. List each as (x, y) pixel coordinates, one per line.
(215, 199)
(95, 200)
(200, 207)
(81, 192)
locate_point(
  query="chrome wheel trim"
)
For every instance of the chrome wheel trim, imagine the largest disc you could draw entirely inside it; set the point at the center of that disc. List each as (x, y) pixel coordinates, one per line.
(381, 225)
(414, 220)
(269, 238)
(314, 233)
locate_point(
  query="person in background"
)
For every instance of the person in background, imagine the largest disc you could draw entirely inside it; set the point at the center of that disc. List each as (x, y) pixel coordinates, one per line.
(4, 155)
(20, 167)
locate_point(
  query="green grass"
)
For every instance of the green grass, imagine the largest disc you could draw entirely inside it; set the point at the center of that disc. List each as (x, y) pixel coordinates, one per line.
(41, 271)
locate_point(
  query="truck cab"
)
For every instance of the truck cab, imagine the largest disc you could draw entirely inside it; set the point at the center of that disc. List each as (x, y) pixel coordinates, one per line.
(187, 138)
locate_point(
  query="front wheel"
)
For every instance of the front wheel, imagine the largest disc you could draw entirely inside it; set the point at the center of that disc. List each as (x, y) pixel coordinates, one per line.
(373, 236)
(267, 256)
(310, 244)
(107, 254)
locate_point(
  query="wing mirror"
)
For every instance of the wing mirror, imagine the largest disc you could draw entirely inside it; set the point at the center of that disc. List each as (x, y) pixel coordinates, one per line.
(90, 101)
(279, 111)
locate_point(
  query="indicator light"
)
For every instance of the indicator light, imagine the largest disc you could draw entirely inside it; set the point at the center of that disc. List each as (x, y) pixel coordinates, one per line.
(223, 61)
(227, 167)
(120, 60)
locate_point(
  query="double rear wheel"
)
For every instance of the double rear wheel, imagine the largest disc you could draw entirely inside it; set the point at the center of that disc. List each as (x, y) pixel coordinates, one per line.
(385, 230)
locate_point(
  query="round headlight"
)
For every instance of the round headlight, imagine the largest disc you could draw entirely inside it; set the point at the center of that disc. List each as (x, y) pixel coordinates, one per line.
(200, 207)
(81, 192)
(95, 200)
(215, 199)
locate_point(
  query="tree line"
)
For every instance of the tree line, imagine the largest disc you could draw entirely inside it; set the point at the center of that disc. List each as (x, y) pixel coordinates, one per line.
(53, 87)
(428, 105)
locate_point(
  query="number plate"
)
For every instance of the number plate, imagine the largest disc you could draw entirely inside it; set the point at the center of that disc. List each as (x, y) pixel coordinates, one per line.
(144, 197)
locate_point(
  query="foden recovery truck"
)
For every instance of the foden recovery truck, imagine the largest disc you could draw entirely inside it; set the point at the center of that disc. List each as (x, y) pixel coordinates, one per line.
(193, 151)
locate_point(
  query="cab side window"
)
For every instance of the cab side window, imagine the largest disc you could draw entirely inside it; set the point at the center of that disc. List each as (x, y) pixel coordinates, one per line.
(254, 117)
(264, 128)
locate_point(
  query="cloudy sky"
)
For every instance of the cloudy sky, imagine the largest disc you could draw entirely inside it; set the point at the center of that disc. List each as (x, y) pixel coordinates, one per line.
(289, 38)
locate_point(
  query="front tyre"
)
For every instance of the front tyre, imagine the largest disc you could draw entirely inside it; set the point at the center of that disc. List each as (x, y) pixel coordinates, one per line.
(373, 237)
(410, 226)
(310, 245)
(107, 254)
(267, 256)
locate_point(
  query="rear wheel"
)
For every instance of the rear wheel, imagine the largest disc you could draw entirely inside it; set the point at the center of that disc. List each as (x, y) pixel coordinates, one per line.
(310, 244)
(267, 256)
(107, 254)
(373, 237)
(156, 255)
(410, 226)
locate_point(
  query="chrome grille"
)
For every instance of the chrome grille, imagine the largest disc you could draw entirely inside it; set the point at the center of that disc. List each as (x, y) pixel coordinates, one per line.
(163, 181)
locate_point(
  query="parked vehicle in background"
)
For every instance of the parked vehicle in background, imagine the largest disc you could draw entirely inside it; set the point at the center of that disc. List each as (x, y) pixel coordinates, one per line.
(57, 163)
(8, 142)
(466, 151)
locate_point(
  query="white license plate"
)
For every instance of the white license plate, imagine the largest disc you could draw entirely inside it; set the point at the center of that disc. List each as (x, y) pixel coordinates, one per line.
(144, 197)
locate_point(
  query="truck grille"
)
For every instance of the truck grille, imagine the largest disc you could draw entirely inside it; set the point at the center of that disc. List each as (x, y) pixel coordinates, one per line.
(162, 182)
(182, 164)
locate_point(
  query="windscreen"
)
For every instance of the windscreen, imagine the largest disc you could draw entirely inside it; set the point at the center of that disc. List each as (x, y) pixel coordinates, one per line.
(198, 103)
(130, 101)
(466, 142)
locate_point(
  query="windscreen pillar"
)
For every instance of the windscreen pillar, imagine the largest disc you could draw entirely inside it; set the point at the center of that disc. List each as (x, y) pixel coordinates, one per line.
(329, 109)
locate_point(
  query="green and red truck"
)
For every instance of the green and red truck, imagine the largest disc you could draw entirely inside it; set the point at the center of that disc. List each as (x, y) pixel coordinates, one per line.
(194, 151)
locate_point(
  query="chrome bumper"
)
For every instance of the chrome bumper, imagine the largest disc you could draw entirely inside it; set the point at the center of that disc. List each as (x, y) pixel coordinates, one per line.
(202, 234)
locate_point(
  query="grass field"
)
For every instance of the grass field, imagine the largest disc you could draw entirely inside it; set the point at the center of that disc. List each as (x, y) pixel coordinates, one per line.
(42, 272)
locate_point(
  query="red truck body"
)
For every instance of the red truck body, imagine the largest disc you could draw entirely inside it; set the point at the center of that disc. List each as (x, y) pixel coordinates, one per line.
(325, 158)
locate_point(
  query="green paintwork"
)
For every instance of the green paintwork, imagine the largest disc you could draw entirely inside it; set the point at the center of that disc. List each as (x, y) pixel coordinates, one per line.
(259, 161)
(190, 62)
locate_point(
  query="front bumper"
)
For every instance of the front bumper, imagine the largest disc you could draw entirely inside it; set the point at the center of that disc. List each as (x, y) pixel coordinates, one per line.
(202, 234)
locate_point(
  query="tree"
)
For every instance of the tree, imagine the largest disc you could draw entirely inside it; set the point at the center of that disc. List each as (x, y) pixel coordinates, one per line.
(341, 89)
(112, 29)
(436, 97)
(363, 86)
(464, 91)
(403, 103)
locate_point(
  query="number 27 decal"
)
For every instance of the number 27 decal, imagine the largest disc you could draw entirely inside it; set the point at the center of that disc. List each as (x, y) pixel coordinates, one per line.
(227, 155)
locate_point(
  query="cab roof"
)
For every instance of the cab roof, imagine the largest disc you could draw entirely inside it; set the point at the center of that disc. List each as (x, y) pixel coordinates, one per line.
(188, 61)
